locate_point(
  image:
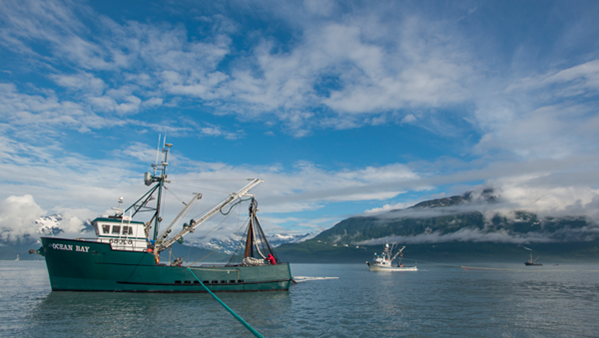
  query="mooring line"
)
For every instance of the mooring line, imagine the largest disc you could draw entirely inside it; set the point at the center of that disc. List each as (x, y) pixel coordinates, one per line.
(248, 326)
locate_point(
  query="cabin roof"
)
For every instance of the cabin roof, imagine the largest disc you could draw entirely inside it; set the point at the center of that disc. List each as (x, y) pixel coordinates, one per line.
(115, 221)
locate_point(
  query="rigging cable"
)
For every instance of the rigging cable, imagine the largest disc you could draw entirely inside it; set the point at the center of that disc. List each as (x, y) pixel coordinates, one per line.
(243, 322)
(183, 215)
(188, 254)
(174, 195)
(220, 247)
(216, 227)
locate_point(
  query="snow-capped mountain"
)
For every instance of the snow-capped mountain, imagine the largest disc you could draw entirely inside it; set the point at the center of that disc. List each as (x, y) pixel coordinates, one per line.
(278, 239)
(49, 225)
(229, 247)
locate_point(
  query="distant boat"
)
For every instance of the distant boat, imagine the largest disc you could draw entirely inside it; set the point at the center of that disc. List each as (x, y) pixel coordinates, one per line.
(532, 262)
(384, 261)
(18, 258)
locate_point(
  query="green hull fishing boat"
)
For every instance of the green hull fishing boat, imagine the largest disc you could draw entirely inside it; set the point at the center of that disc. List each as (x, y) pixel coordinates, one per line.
(122, 257)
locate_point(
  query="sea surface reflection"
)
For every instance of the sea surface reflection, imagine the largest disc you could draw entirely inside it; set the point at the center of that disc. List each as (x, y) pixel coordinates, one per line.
(437, 300)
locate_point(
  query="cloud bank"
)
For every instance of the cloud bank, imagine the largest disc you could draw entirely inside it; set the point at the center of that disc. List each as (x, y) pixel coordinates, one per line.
(477, 236)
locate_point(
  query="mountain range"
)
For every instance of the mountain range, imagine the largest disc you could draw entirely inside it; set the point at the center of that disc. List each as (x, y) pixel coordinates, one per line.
(219, 250)
(229, 247)
(469, 227)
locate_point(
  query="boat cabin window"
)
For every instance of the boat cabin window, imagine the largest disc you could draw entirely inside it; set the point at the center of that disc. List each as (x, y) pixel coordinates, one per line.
(118, 230)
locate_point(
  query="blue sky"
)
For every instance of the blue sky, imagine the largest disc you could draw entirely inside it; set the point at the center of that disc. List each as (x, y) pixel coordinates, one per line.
(342, 107)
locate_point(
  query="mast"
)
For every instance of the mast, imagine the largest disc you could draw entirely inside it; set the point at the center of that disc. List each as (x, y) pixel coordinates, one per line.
(256, 243)
(159, 176)
(249, 243)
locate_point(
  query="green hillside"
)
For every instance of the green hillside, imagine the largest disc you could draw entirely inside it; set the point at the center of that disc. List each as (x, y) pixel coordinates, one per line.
(558, 239)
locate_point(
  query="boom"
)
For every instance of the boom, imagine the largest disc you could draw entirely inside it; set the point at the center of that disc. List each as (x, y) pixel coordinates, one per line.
(400, 252)
(195, 223)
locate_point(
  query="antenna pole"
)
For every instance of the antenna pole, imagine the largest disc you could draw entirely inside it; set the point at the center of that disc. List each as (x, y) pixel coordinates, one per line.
(160, 179)
(157, 153)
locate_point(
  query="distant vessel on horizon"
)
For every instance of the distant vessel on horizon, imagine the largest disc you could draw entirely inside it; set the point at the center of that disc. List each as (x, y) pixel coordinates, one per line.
(18, 258)
(532, 262)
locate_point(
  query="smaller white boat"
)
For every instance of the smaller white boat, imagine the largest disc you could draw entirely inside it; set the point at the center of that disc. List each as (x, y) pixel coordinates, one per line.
(384, 261)
(18, 258)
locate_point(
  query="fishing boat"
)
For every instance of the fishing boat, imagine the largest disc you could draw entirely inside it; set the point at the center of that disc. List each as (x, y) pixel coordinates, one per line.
(531, 261)
(123, 257)
(384, 261)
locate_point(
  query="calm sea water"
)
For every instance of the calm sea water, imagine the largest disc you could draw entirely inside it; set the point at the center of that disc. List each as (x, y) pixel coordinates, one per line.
(436, 301)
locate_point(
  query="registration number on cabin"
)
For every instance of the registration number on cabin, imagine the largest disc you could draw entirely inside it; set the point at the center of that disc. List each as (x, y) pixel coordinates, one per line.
(69, 247)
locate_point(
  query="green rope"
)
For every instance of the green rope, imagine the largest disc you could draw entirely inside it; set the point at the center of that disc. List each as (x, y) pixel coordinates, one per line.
(247, 326)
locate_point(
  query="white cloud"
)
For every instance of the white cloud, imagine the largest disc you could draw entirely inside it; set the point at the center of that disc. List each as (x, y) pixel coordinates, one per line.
(369, 77)
(44, 113)
(155, 101)
(88, 187)
(548, 132)
(577, 80)
(410, 118)
(17, 216)
(465, 235)
(131, 104)
(82, 81)
(548, 115)
(374, 72)
(532, 193)
(376, 65)
(319, 7)
(389, 207)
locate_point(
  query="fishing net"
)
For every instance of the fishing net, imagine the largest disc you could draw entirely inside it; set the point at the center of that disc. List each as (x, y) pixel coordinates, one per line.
(253, 248)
